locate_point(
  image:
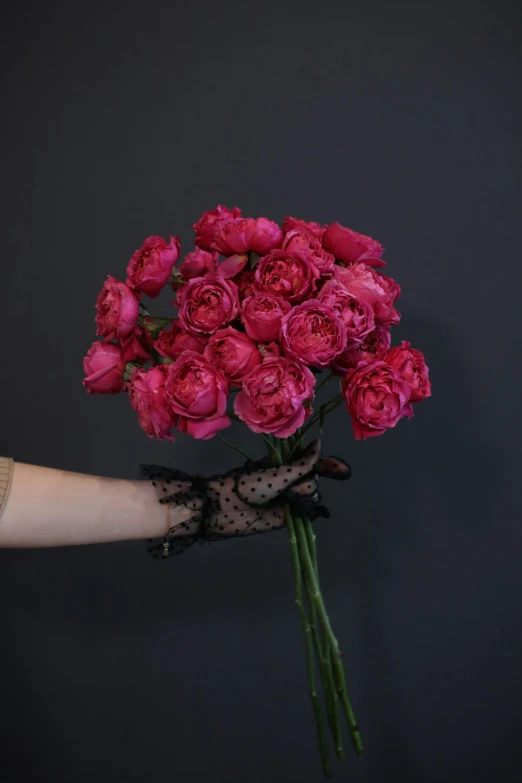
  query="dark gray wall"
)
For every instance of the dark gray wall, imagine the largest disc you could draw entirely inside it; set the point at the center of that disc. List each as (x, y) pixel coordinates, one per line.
(401, 120)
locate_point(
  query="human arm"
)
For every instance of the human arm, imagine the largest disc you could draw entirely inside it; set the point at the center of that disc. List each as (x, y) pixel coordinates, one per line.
(47, 507)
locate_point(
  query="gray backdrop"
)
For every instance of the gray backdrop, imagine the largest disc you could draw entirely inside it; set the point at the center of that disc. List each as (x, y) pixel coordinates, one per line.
(401, 120)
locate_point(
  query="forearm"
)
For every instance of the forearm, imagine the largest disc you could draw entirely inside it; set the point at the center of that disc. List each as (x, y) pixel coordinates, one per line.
(48, 507)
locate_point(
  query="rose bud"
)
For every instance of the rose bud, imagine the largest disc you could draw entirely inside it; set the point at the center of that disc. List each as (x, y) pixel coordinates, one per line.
(197, 391)
(312, 228)
(274, 396)
(306, 243)
(134, 346)
(238, 236)
(233, 352)
(373, 348)
(211, 222)
(369, 286)
(171, 342)
(376, 399)
(313, 333)
(206, 304)
(117, 310)
(147, 397)
(103, 367)
(261, 316)
(198, 264)
(289, 274)
(151, 266)
(410, 364)
(350, 247)
(356, 314)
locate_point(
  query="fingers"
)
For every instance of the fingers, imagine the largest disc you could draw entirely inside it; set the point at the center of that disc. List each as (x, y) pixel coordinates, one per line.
(309, 456)
(304, 499)
(333, 468)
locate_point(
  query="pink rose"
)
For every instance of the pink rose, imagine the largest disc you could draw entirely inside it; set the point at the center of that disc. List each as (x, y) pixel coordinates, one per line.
(390, 285)
(261, 315)
(306, 243)
(103, 368)
(171, 342)
(376, 398)
(197, 391)
(151, 266)
(245, 284)
(368, 285)
(351, 247)
(232, 352)
(211, 222)
(134, 346)
(147, 397)
(260, 235)
(313, 333)
(274, 396)
(410, 364)
(117, 309)
(291, 275)
(311, 228)
(373, 348)
(206, 304)
(356, 314)
(198, 264)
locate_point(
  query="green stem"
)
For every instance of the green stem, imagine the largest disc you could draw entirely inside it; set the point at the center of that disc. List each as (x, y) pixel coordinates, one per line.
(307, 629)
(338, 672)
(327, 408)
(232, 446)
(274, 450)
(322, 647)
(324, 382)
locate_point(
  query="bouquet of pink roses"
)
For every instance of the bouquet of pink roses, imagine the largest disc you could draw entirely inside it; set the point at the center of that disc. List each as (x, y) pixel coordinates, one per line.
(262, 311)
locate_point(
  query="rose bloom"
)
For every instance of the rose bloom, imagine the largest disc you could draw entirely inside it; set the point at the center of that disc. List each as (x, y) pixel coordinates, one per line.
(261, 316)
(258, 234)
(368, 285)
(134, 346)
(356, 314)
(117, 309)
(289, 274)
(376, 399)
(103, 367)
(211, 222)
(245, 284)
(274, 396)
(351, 247)
(313, 333)
(147, 397)
(206, 304)
(306, 243)
(373, 348)
(151, 266)
(197, 391)
(410, 364)
(171, 342)
(312, 228)
(390, 285)
(198, 264)
(233, 352)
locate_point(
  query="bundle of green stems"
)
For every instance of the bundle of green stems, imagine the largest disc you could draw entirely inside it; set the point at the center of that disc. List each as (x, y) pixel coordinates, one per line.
(323, 655)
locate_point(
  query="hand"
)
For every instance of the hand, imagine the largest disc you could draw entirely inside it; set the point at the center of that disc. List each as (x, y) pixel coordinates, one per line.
(243, 501)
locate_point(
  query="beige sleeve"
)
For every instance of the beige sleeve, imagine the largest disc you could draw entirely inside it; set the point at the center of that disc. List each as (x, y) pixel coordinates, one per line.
(6, 474)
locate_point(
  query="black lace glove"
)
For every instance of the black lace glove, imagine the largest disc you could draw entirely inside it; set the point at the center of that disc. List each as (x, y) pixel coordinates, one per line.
(243, 501)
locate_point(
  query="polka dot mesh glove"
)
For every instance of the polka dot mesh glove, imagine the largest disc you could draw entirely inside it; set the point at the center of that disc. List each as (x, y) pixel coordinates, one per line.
(243, 501)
